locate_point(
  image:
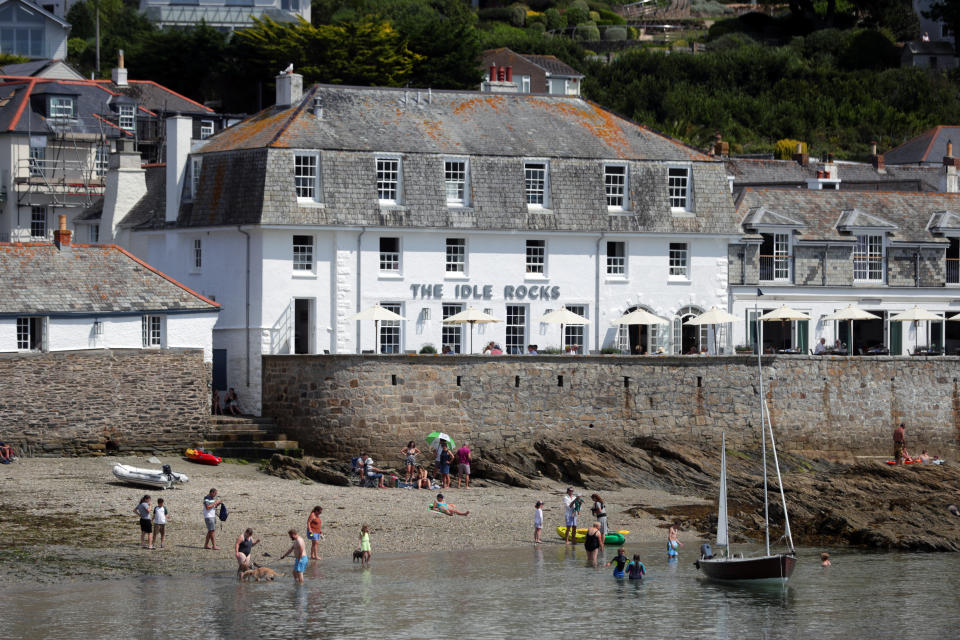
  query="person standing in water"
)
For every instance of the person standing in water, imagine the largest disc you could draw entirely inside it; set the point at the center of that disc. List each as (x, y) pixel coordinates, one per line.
(299, 549)
(593, 542)
(364, 546)
(673, 542)
(824, 559)
(635, 569)
(243, 550)
(620, 560)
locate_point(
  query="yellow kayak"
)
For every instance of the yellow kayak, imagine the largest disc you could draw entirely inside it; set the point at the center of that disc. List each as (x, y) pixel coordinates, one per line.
(613, 538)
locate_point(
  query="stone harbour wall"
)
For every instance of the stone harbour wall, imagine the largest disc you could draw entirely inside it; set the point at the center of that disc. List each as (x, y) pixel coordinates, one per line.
(90, 401)
(338, 404)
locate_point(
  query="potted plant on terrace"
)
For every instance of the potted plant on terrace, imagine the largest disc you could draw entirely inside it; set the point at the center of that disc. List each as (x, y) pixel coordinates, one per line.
(743, 348)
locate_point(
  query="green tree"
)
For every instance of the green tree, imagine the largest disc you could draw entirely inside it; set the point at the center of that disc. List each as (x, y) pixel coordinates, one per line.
(177, 66)
(122, 26)
(367, 52)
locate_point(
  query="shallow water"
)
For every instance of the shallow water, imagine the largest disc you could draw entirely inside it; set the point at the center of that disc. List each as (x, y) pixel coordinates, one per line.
(518, 593)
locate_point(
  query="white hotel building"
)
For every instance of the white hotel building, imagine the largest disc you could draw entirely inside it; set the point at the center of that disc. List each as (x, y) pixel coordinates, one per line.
(427, 202)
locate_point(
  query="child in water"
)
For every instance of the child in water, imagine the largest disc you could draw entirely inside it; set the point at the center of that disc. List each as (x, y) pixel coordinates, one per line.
(635, 569)
(364, 545)
(673, 543)
(621, 561)
(537, 521)
(824, 559)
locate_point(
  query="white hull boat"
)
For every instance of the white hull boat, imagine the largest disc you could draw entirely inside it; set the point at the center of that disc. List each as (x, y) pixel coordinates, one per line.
(156, 478)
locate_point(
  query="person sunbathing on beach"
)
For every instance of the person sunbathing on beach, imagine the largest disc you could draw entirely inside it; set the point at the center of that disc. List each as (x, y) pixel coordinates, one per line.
(449, 509)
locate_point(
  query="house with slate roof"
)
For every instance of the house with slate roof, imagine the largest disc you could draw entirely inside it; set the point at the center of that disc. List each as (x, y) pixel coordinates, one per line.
(32, 31)
(818, 251)
(56, 137)
(533, 73)
(427, 202)
(927, 149)
(61, 296)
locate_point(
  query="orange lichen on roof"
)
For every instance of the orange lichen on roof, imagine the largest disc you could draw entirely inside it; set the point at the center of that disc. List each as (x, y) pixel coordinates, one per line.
(601, 124)
(244, 134)
(491, 101)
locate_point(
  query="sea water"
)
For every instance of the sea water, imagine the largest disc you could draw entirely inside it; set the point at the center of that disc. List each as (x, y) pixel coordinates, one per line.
(518, 593)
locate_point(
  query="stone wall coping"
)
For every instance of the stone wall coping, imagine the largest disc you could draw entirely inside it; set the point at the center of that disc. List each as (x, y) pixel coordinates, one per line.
(673, 360)
(120, 351)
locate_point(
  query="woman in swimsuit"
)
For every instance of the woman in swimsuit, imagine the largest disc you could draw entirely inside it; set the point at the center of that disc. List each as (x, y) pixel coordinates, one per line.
(410, 459)
(423, 479)
(243, 549)
(620, 560)
(593, 542)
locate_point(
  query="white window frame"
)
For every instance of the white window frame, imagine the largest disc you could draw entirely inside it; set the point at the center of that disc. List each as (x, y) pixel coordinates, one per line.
(193, 184)
(206, 129)
(868, 257)
(576, 334)
(27, 326)
(306, 176)
(39, 217)
(127, 117)
(534, 265)
(390, 329)
(451, 335)
(616, 186)
(515, 333)
(302, 253)
(456, 182)
(152, 331)
(101, 159)
(455, 257)
(781, 257)
(37, 155)
(390, 262)
(617, 265)
(536, 189)
(197, 255)
(678, 261)
(679, 187)
(524, 84)
(62, 107)
(389, 174)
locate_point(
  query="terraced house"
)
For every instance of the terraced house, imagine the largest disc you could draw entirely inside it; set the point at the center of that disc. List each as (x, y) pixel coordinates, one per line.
(427, 202)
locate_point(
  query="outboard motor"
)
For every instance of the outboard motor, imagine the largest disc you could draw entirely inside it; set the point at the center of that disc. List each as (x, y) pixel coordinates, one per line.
(167, 470)
(706, 552)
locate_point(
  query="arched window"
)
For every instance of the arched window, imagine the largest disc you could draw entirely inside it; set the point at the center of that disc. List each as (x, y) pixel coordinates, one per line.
(687, 336)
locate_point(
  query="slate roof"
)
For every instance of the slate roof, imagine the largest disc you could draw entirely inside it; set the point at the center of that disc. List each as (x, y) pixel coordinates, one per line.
(853, 175)
(35, 68)
(905, 214)
(553, 65)
(39, 278)
(462, 122)
(928, 148)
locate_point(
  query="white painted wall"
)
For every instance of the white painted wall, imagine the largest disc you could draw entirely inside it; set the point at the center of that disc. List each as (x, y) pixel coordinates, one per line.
(192, 331)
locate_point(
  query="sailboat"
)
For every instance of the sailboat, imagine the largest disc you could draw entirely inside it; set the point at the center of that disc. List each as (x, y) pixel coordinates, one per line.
(770, 566)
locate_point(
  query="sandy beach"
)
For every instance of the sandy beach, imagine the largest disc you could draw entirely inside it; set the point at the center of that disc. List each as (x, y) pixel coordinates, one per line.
(69, 519)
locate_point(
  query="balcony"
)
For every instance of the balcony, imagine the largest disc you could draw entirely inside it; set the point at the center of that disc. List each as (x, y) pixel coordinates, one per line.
(776, 268)
(953, 270)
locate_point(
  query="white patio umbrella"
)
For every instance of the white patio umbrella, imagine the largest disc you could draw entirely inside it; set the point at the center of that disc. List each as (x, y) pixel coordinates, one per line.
(713, 316)
(564, 316)
(917, 315)
(851, 313)
(639, 316)
(472, 316)
(376, 313)
(784, 314)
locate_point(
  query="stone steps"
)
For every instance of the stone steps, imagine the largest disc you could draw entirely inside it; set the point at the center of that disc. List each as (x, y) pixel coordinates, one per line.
(247, 437)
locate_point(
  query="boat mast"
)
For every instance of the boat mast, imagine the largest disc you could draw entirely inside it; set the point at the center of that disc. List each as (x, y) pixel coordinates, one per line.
(763, 431)
(783, 497)
(723, 537)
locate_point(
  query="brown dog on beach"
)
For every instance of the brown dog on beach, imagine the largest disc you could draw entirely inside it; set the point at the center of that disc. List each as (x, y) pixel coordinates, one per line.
(260, 573)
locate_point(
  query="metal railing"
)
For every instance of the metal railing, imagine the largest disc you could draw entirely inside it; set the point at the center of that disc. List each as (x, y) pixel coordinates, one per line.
(776, 268)
(953, 270)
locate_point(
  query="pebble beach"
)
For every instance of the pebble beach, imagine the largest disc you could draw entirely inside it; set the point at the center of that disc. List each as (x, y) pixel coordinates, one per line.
(70, 519)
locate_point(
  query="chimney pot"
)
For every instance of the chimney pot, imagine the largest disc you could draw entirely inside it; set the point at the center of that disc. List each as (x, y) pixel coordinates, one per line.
(873, 147)
(799, 148)
(509, 74)
(61, 237)
(493, 73)
(949, 148)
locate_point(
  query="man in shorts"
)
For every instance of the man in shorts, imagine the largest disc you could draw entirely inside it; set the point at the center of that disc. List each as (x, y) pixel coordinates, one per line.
(464, 459)
(298, 549)
(570, 515)
(210, 504)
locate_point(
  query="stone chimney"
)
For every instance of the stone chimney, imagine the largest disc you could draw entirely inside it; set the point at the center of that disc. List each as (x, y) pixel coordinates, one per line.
(179, 132)
(721, 148)
(289, 88)
(61, 237)
(119, 74)
(125, 183)
(876, 159)
(799, 156)
(951, 181)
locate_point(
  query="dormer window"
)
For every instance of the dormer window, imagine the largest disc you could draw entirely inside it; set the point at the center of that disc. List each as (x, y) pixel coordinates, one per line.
(868, 258)
(127, 116)
(62, 107)
(679, 187)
